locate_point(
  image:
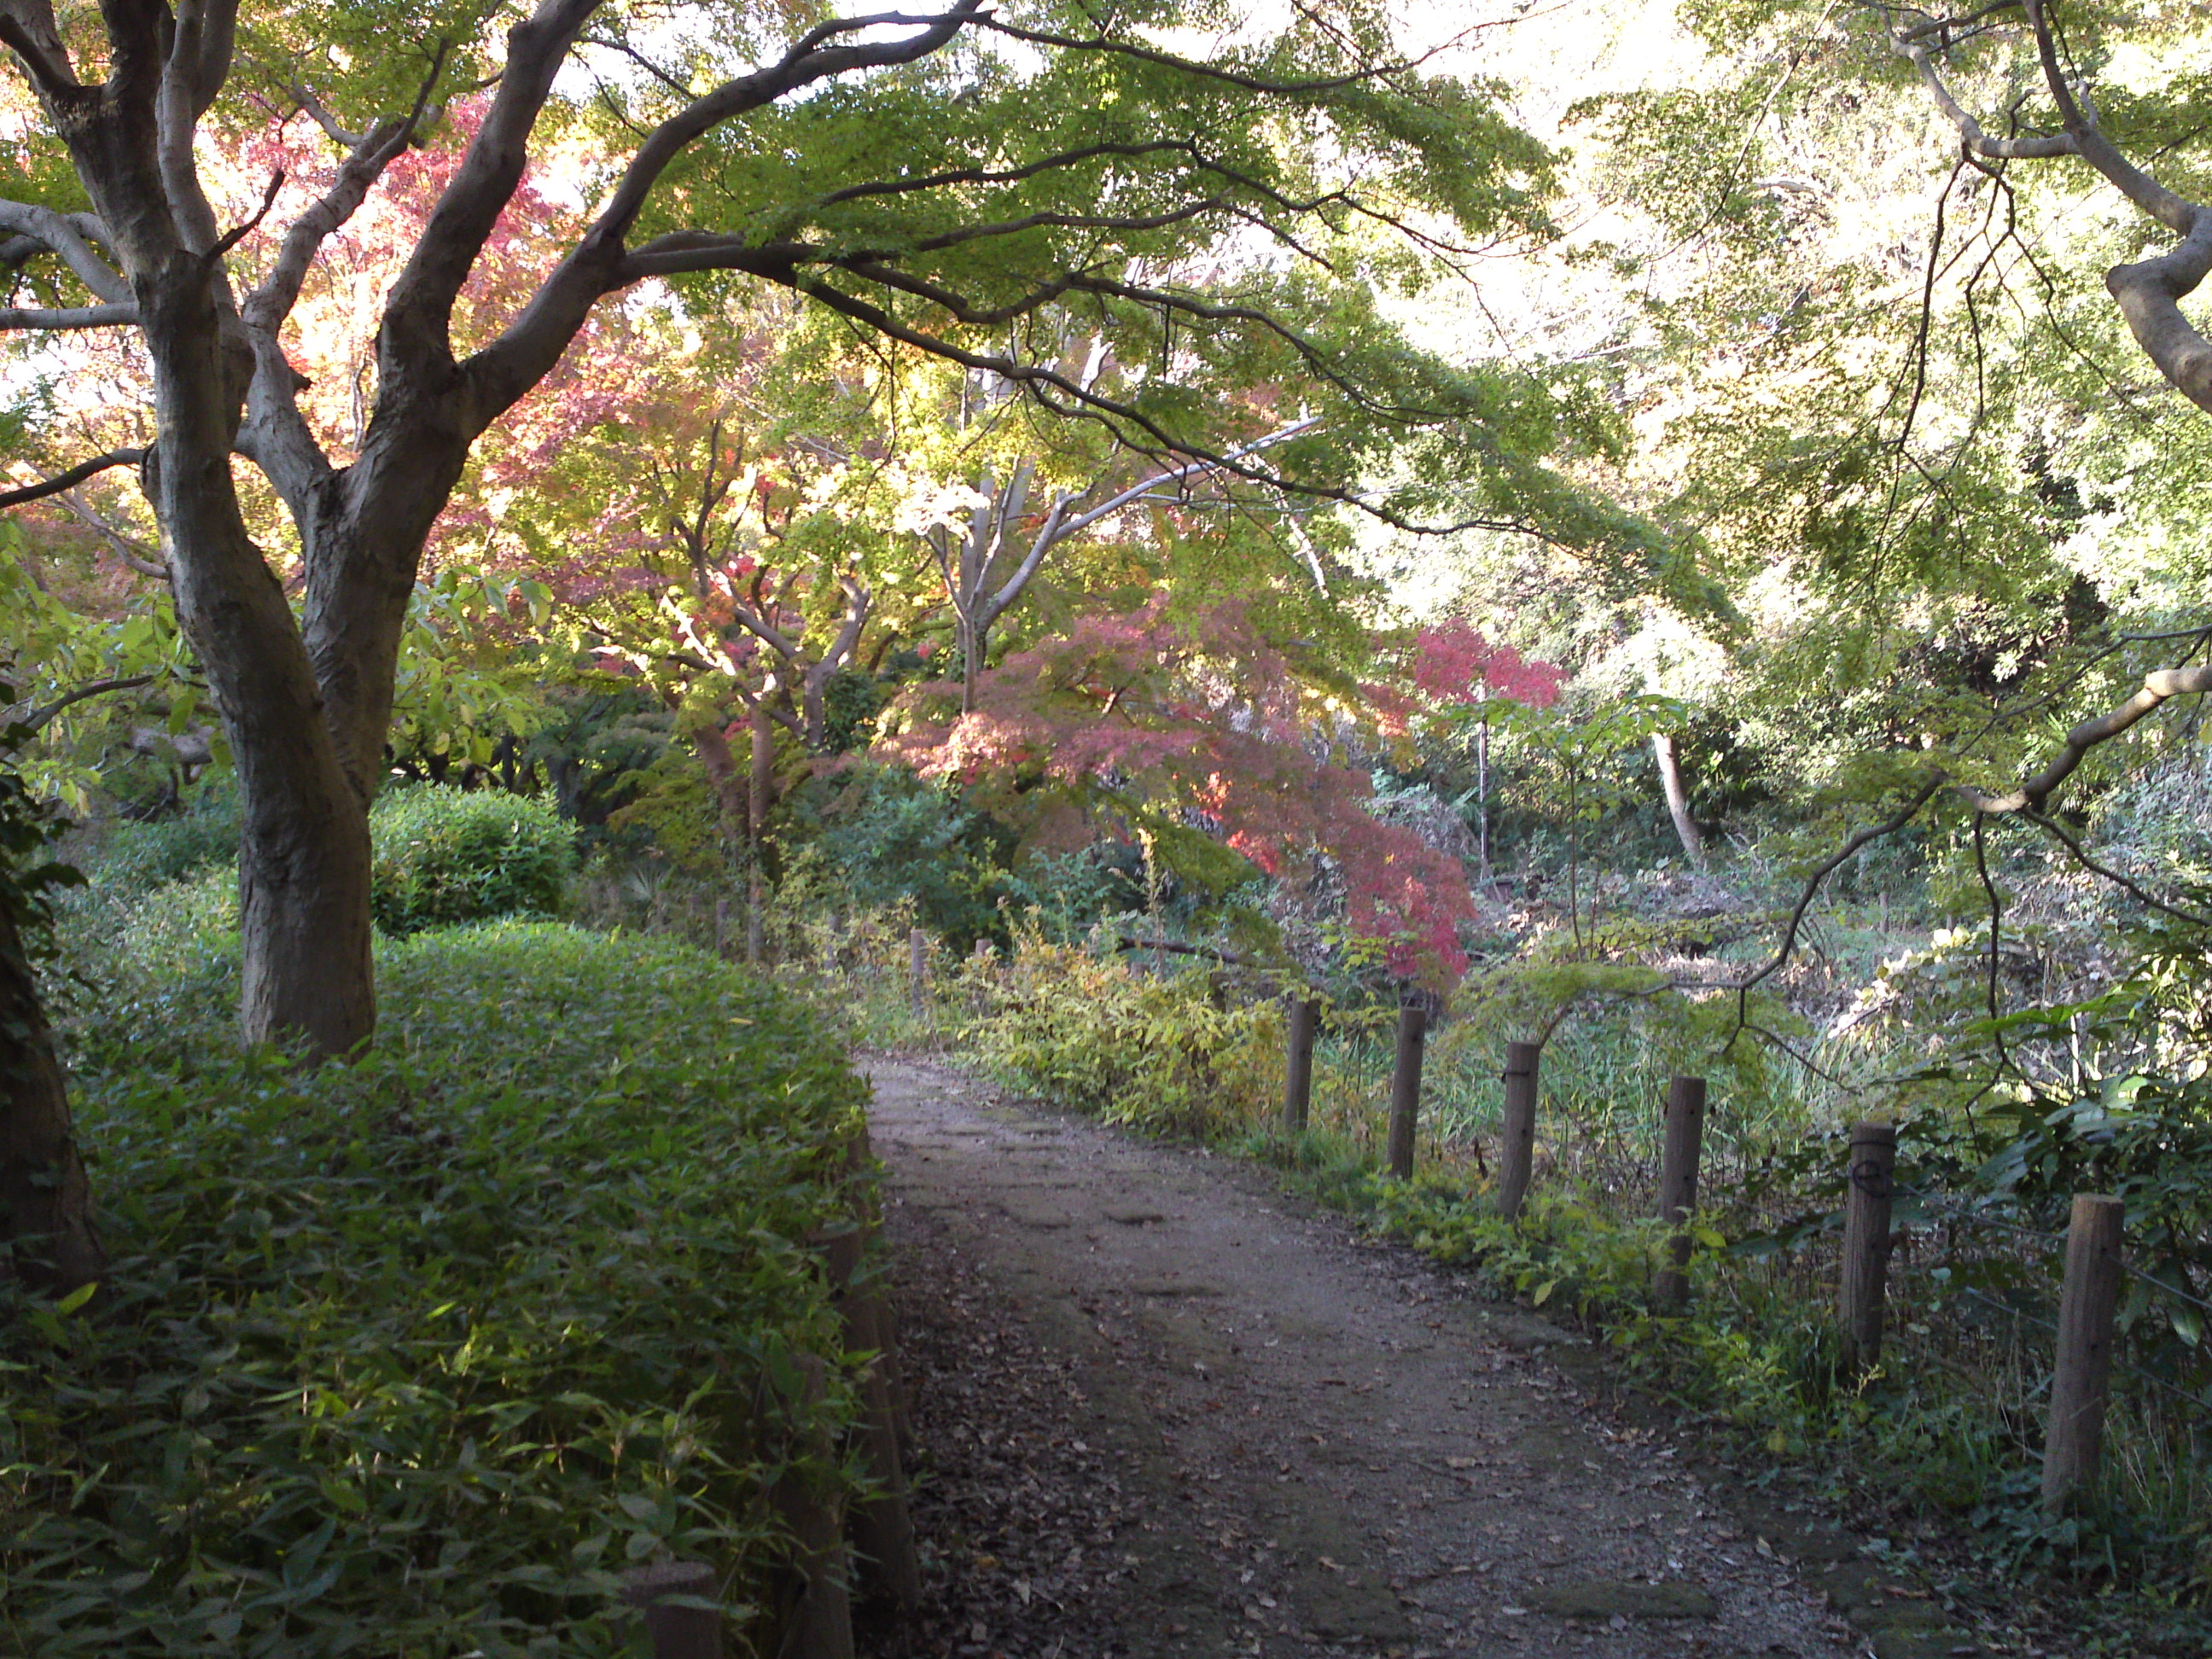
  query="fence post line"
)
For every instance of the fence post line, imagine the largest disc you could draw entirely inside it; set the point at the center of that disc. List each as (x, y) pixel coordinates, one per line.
(1678, 1183)
(1406, 1087)
(2074, 1440)
(1870, 1180)
(1297, 1069)
(917, 957)
(676, 1633)
(1517, 1151)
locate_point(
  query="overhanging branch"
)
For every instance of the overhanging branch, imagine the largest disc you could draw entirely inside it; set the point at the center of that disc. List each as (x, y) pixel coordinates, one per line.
(2030, 798)
(70, 479)
(67, 316)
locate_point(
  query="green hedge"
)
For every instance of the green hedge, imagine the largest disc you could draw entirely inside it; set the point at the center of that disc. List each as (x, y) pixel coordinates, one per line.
(448, 856)
(413, 1357)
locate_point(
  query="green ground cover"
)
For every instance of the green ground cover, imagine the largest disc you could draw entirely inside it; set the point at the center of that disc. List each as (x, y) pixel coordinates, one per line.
(414, 1356)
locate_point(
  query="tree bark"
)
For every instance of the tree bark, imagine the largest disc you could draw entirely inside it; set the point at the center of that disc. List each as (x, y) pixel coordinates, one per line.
(46, 1236)
(304, 855)
(1678, 799)
(730, 792)
(761, 796)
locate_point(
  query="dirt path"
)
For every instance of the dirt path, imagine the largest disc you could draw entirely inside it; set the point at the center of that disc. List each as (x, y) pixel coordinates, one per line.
(1165, 1412)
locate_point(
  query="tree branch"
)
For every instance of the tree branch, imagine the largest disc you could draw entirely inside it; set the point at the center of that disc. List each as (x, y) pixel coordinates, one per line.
(278, 438)
(68, 317)
(2149, 293)
(63, 235)
(134, 553)
(529, 347)
(2058, 832)
(2157, 687)
(28, 28)
(2037, 146)
(70, 479)
(1214, 72)
(1850, 849)
(36, 720)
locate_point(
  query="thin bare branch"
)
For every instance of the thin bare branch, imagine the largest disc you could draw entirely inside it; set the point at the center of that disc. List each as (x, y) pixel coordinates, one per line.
(1145, 54)
(1843, 855)
(71, 478)
(230, 239)
(134, 553)
(38, 718)
(2058, 833)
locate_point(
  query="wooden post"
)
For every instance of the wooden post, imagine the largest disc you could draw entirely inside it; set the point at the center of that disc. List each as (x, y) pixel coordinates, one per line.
(917, 964)
(2075, 1438)
(1517, 1153)
(821, 1624)
(1871, 1179)
(1297, 1071)
(676, 1633)
(1678, 1184)
(881, 1525)
(1406, 1087)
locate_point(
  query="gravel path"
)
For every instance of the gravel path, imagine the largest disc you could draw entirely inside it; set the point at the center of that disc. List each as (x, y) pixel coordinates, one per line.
(1164, 1410)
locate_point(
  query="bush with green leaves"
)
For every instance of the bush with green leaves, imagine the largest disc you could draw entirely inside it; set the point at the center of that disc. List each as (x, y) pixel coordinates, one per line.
(133, 855)
(414, 1356)
(1161, 1052)
(448, 856)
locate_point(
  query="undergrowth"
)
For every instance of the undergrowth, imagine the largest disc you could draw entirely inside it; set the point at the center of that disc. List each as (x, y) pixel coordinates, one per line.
(414, 1356)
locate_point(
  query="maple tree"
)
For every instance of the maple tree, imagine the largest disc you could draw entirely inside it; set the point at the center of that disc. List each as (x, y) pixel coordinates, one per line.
(1194, 730)
(938, 180)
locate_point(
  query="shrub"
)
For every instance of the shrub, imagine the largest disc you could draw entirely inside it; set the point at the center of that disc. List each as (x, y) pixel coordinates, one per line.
(135, 856)
(1160, 1052)
(446, 856)
(413, 1356)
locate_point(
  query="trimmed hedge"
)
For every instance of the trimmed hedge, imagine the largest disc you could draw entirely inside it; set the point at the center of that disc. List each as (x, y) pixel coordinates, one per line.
(445, 856)
(412, 1357)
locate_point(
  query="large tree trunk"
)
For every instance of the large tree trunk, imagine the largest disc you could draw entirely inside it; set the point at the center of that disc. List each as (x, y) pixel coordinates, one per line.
(46, 1236)
(304, 856)
(1678, 799)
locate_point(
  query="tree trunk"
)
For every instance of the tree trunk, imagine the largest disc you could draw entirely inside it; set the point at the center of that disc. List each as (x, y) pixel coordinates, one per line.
(1678, 799)
(304, 856)
(761, 796)
(713, 743)
(46, 1236)
(971, 639)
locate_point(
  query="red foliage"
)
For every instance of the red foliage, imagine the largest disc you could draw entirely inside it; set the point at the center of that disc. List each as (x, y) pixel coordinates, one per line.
(1201, 719)
(1454, 664)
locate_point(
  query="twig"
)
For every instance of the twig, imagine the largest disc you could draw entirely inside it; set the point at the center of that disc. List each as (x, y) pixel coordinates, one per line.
(1127, 942)
(2073, 846)
(37, 718)
(1849, 850)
